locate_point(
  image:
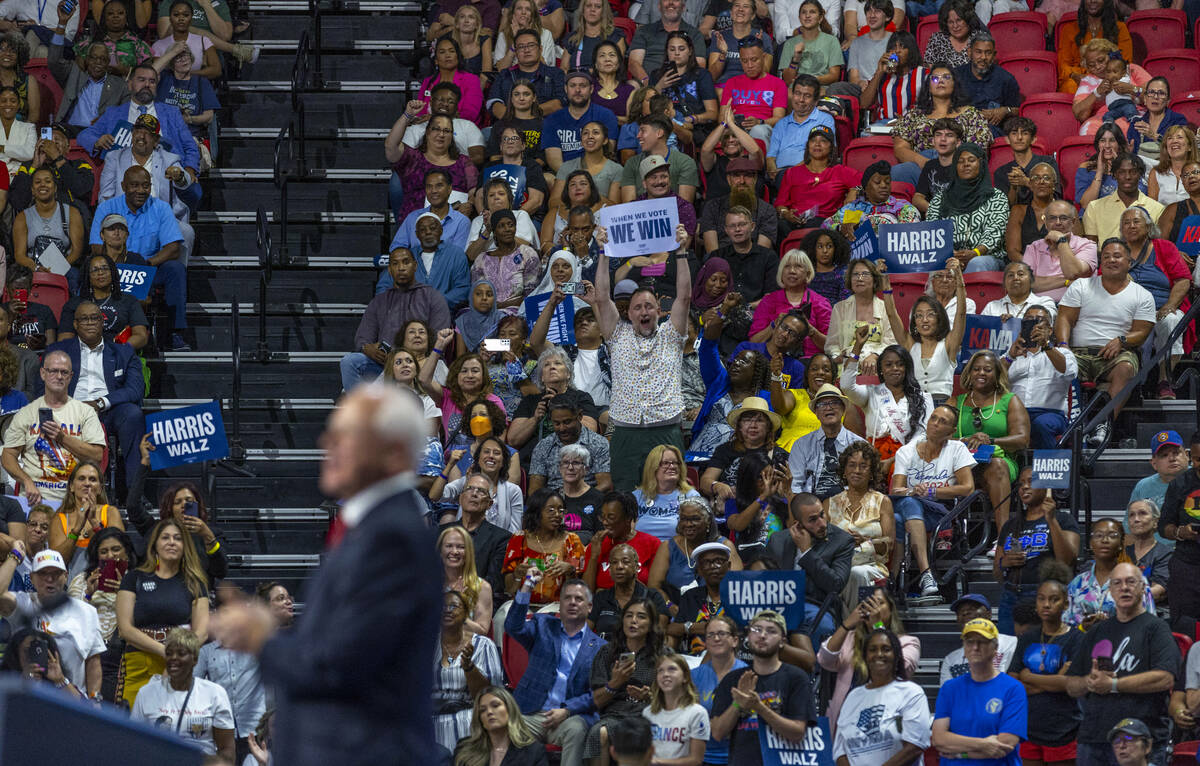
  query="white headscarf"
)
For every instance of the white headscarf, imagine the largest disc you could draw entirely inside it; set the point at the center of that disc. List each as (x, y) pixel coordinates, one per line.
(547, 283)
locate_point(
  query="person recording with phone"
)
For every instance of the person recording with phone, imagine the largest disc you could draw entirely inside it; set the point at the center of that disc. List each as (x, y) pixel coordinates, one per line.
(110, 554)
(74, 624)
(33, 325)
(1040, 374)
(73, 178)
(183, 502)
(34, 654)
(555, 377)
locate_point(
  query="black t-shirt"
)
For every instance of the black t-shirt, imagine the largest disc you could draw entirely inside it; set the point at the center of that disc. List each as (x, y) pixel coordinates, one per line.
(935, 177)
(787, 691)
(1182, 506)
(1034, 537)
(119, 312)
(606, 612)
(1138, 646)
(1000, 177)
(36, 320)
(531, 128)
(528, 407)
(1053, 716)
(694, 606)
(726, 458)
(583, 514)
(161, 603)
(1155, 565)
(10, 513)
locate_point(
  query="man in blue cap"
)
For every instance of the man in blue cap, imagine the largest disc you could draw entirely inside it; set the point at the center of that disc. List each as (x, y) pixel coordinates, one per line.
(972, 606)
(1168, 458)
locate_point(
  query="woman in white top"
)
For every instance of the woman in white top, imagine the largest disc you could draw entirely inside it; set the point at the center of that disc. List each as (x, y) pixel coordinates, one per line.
(927, 472)
(887, 720)
(943, 287)
(1019, 296)
(17, 138)
(862, 308)
(679, 722)
(932, 339)
(492, 458)
(401, 368)
(1165, 182)
(896, 408)
(522, 15)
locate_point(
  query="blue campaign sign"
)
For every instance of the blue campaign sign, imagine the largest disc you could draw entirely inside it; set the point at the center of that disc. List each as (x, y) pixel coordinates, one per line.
(987, 333)
(747, 593)
(122, 137)
(816, 749)
(136, 280)
(187, 435)
(1189, 236)
(514, 174)
(916, 247)
(1051, 469)
(865, 244)
(562, 324)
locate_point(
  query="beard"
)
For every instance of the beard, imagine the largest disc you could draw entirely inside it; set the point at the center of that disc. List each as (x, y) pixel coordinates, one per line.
(743, 197)
(766, 654)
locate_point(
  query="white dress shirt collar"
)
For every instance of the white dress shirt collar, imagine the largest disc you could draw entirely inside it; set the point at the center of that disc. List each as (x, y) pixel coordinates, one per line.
(355, 508)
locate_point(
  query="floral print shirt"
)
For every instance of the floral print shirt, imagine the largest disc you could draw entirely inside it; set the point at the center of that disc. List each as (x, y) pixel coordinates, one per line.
(1087, 597)
(917, 128)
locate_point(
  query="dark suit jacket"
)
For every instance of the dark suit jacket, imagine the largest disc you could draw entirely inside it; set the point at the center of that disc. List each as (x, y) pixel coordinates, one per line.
(542, 636)
(353, 681)
(122, 371)
(826, 565)
(73, 79)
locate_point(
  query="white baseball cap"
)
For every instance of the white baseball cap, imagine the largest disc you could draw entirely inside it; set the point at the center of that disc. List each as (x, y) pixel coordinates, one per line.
(47, 559)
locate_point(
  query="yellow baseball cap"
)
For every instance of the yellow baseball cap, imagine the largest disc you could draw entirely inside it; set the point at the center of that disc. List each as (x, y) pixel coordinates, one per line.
(983, 627)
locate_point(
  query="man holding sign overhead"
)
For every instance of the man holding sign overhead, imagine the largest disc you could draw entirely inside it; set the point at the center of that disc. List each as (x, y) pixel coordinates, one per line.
(646, 357)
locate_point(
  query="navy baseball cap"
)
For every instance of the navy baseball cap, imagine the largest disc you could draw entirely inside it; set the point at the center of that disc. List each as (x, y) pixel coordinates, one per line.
(971, 598)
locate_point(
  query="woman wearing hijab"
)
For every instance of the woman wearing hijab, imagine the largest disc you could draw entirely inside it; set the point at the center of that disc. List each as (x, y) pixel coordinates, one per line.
(978, 211)
(479, 321)
(563, 268)
(510, 266)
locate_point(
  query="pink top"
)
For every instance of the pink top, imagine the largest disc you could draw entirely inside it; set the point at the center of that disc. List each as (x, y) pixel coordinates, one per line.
(757, 97)
(1046, 264)
(843, 664)
(472, 95)
(776, 304)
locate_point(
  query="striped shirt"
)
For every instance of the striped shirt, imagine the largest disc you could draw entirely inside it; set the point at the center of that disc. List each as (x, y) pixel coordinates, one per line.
(897, 94)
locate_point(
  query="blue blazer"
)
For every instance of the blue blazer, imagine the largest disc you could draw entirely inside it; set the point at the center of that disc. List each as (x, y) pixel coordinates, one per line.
(352, 678)
(171, 127)
(122, 371)
(542, 636)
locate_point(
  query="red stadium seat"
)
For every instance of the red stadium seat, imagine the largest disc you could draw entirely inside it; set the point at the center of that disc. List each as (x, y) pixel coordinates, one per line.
(50, 290)
(1060, 28)
(903, 191)
(1181, 67)
(1184, 753)
(1035, 70)
(1188, 104)
(843, 131)
(925, 29)
(514, 658)
(793, 240)
(52, 92)
(1019, 31)
(1053, 116)
(983, 287)
(1000, 153)
(862, 152)
(906, 288)
(627, 26)
(1073, 152)
(1155, 30)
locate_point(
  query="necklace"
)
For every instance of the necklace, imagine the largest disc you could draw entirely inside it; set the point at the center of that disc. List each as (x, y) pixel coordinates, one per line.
(995, 401)
(1045, 638)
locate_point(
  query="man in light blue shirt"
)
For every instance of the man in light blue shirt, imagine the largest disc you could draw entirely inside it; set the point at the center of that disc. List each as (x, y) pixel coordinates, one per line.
(790, 134)
(155, 235)
(455, 226)
(237, 673)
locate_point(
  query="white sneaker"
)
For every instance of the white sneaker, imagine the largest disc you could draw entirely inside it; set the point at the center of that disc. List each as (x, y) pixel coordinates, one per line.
(929, 593)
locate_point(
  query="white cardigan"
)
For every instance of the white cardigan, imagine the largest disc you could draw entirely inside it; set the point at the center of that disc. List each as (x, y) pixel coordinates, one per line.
(18, 144)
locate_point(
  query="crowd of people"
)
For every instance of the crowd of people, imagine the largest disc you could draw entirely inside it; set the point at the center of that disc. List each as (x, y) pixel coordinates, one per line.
(610, 437)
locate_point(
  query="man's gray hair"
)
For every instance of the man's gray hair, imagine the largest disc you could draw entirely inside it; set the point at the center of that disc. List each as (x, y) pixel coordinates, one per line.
(399, 417)
(491, 486)
(982, 36)
(66, 357)
(577, 451)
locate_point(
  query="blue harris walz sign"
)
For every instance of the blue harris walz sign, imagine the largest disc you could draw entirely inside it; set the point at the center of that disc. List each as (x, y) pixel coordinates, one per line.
(916, 247)
(187, 435)
(1051, 469)
(746, 593)
(136, 280)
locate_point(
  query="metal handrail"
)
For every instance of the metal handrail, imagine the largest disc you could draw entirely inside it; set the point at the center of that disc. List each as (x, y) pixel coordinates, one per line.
(281, 176)
(314, 10)
(300, 80)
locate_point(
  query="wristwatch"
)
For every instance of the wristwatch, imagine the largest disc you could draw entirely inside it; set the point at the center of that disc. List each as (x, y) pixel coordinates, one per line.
(1122, 339)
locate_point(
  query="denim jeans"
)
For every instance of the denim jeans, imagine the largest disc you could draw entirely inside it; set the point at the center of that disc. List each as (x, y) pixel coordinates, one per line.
(1008, 599)
(822, 630)
(356, 367)
(909, 172)
(1046, 425)
(983, 263)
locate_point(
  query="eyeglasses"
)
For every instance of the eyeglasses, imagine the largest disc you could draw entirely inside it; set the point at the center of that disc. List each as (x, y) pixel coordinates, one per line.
(718, 634)
(58, 373)
(571, 463)
(511, 139)
(527, 46)
(1158, 93)
(1106, 535)
(938, 79)
(760, 630)
(90, 319)
(672, 463)
(1062, 218)
(101, 269)
(476, 491)
(440, 130)
(1043, 179)
(826, 404)
(1190, 174)
(976, 419)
